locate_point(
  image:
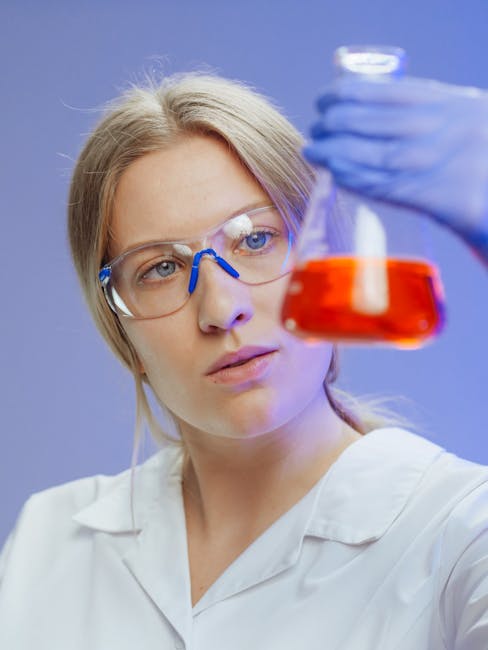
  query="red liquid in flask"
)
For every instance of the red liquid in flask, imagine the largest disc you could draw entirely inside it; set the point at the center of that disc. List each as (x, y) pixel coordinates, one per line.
(320, 303)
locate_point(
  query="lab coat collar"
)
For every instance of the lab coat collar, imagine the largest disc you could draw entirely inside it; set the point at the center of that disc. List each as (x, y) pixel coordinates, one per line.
(370, 484)
(154, 548)
(356, 501)
(144, 487)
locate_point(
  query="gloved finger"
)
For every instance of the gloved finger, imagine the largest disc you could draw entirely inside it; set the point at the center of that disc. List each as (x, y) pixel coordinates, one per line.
(377, 120)
(396, 189)
(368, 181)
(348, 173)
(326, 99)
(390, 155)
(376, 91)
(464, 212)
(409, 91)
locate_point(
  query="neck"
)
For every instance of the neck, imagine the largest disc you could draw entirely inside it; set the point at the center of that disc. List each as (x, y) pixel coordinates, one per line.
(244, 484)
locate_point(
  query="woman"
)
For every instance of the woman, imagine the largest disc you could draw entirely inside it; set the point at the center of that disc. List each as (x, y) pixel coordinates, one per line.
(269, 519)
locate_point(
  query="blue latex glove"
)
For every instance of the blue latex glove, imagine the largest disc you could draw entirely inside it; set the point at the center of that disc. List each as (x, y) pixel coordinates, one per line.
(414, 142)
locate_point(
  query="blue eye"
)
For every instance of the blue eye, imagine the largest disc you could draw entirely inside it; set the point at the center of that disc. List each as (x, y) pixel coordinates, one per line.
(257, 240)
(164, 269)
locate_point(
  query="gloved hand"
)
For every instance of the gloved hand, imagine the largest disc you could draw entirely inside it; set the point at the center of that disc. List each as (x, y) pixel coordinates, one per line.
(414, 142)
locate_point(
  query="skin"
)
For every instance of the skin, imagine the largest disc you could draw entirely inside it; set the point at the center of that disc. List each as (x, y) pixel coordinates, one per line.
(254, 449)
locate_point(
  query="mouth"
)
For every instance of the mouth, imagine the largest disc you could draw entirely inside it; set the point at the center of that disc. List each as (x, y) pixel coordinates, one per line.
(243, 362)
(245, 365)
(239, 358)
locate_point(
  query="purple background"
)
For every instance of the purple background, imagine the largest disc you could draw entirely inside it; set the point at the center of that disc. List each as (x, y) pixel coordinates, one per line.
(67, 405)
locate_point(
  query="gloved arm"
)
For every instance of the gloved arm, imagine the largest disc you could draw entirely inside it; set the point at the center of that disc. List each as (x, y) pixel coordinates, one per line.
(414, 142)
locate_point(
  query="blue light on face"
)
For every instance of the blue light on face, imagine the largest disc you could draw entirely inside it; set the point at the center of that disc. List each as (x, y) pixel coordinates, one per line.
(196, 264)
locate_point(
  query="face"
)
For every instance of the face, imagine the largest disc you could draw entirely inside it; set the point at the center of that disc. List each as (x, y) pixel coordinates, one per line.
(174, 194)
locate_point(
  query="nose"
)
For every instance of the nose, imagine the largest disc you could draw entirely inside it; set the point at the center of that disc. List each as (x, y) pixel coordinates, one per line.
(223, 302)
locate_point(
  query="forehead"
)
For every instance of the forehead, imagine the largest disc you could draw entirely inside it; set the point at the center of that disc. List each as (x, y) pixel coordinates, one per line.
(180, 191)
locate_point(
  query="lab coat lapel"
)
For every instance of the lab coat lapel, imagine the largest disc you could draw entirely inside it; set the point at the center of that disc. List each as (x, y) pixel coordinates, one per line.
(349, 504)
(159, 560)
(150, 539)
(273, 552)
(370, 484)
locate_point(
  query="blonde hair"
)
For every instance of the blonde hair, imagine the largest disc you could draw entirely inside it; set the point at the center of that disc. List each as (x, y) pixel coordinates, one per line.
(149, 118)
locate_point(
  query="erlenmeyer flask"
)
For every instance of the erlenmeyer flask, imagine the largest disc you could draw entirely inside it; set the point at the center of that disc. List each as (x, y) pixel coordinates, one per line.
(362, 274)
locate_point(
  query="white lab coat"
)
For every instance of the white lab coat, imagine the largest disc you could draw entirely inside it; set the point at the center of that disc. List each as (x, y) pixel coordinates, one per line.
(389, 551)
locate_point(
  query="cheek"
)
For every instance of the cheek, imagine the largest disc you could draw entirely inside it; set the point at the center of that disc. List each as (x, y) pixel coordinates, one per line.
(165, 353)
(308, 362)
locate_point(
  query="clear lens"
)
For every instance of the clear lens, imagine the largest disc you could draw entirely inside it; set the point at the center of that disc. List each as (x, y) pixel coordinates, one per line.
(153, 280)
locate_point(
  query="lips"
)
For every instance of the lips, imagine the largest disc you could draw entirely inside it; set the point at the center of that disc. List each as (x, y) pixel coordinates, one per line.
(239, 357)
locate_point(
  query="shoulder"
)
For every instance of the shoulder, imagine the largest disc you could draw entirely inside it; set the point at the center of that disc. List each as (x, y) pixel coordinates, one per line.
(53, 520)
(455, 493)
(70, 498)
(460, 479)
(463, 557)
(44, 534)
(58, 504)
(468, 520)
(46, 522)
(447, 480)
(407, 450)
(426, 483)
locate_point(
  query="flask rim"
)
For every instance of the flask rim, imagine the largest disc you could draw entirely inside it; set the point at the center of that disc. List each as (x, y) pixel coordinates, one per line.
(370, 59)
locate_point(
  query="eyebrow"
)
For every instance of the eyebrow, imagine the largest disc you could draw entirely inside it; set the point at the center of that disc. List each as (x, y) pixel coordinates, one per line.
(236, 213)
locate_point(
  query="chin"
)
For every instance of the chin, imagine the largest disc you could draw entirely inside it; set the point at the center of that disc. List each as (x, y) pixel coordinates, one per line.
(255, 419)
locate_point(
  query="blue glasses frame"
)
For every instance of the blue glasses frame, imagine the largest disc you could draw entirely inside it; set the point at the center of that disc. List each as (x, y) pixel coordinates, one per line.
(196, 266)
